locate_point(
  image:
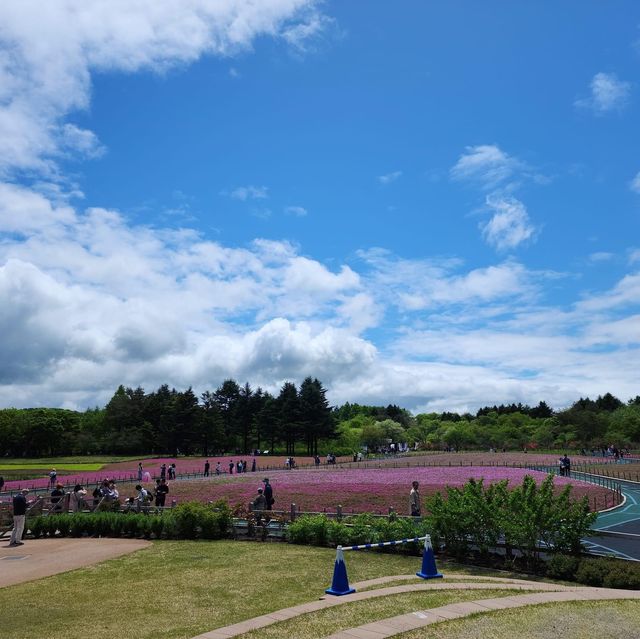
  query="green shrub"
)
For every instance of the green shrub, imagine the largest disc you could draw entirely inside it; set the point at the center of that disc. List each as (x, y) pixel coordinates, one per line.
(563, 567)
(337, 533)
(156, 523)
(623, 575)
(592, 572)
(37, 526)
(309, 529)
(194, 520)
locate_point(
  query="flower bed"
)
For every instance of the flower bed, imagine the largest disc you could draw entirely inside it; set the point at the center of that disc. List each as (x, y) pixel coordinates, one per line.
(360, 490)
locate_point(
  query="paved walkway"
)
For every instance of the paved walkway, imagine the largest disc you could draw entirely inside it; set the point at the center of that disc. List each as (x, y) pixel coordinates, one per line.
(44, 557)
(542, 592)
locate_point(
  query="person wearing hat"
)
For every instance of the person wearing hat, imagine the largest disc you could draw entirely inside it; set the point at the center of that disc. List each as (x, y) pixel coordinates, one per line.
(268, 493)
(19, 516)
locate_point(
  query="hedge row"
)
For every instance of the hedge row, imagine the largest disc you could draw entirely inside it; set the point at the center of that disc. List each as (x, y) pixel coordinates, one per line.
(609, 573)
(187, 521)
(319, 530)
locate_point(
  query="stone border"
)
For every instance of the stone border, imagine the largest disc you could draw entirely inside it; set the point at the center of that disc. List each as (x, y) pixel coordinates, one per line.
(384, 630)
(412, 621)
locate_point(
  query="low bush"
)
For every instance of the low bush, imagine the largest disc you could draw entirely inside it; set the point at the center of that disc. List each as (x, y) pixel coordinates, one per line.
(563, 567)
(319, 530)
(591, 572)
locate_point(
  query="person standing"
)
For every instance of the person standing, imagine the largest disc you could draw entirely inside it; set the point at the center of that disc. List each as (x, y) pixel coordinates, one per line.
(414, 500)
(231, 465)
(162, 490)
(218, 468)
(253, 465)
(163, 471)
(268, 493)
(142, 499)
(53, 476)
(140, 471)
(207, 466)
(19, 516)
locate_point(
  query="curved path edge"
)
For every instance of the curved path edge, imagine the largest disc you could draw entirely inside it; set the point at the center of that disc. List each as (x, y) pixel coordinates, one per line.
(414, 620)
(262, 621)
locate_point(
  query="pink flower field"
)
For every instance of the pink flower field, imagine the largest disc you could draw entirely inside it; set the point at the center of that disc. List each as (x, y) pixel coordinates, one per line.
(358, 490)
(128, 470)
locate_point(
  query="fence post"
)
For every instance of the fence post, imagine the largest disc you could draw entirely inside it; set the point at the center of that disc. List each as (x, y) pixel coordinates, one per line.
(292, 512)
(392, 510)
(339, 511)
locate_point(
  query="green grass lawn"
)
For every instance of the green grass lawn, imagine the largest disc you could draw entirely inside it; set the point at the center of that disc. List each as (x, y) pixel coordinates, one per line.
(59, 462)
(179, 589)
(47, 467)
(572, 620)
(324, 622)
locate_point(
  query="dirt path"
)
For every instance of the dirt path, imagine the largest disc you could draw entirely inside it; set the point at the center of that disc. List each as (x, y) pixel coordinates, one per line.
(44, 557)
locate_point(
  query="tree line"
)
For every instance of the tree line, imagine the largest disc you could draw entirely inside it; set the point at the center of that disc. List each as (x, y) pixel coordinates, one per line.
(232, 418)
(238, 419)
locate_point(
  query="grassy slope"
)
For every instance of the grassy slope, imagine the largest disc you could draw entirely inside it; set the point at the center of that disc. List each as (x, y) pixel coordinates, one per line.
(179, 589)
(575, 620)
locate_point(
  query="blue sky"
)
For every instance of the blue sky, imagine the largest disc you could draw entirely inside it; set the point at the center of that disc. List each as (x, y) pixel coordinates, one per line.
(431, 204)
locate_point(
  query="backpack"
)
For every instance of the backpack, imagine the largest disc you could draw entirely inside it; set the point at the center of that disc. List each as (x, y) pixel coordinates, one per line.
(149, 496)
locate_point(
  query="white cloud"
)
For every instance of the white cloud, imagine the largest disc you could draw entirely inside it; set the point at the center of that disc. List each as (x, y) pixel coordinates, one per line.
(250, 192)
(48, 51)
(601, 256)
(485, 164)
(634, 256)
(88, 301)
(509, 225)
(416, 285)
(608, 93)
(298, 211)
(635, 183)
(389, 177)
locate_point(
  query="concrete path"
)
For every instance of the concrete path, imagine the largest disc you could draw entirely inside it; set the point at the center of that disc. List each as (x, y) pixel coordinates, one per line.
(542, 593)
(411, 621)
(44, 557)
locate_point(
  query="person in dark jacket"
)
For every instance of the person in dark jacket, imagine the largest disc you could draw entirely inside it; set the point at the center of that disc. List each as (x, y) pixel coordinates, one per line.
(268, 493)
(19, 516)
(162, 490)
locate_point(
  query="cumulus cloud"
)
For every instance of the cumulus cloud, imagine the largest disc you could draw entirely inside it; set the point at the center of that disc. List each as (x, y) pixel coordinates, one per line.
(84, 291)
(389, 177)
(88, 301)
(48, 51)
(608, 93)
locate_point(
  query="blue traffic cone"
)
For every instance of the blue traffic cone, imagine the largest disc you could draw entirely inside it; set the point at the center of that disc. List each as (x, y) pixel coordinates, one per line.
(340, 583)
(429, 570)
